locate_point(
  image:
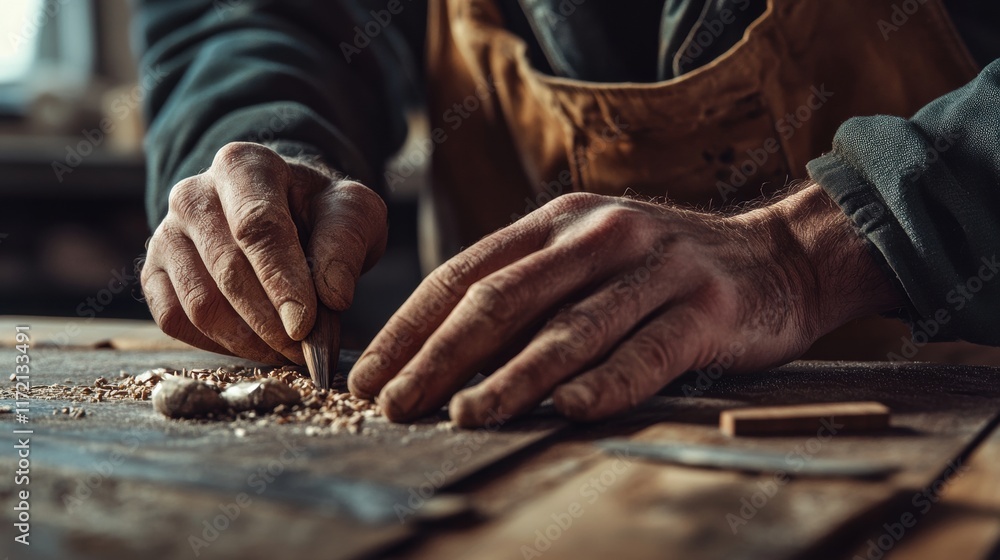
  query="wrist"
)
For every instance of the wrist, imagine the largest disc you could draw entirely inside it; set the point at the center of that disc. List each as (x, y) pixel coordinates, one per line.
(846, 277)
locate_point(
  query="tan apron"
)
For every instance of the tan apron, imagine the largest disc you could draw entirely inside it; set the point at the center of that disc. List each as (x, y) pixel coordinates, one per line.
(509, 138)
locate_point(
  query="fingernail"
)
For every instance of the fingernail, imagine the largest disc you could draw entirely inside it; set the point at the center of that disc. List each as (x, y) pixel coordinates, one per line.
(574, 400)
(292, 313)
(400, 396)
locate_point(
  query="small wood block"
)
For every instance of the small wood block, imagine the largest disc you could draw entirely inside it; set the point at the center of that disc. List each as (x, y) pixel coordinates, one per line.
(804, 419)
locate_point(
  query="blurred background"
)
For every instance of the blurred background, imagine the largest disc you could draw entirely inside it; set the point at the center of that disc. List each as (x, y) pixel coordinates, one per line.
(72, 222)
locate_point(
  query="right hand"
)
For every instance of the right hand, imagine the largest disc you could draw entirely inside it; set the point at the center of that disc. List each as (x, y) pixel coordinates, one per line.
(226, 271)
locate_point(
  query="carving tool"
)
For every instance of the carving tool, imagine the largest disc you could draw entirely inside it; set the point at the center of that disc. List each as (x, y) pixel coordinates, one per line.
(322, 346)
(746, 460)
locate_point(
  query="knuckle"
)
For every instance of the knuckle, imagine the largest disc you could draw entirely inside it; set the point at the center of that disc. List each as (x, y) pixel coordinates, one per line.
(151, 289)
(652, 353)
(617, 216)
(221, 257)
(579, 330)
(238, 155)
(170, 318)
(153, 245)
(449, 278)
(149, 268)
(187, 198)
(227, 274)
(171, 321)
(168, 239)
(618, 222)
(145, 281)
(624, 385)
(345, 245)
(611, 226)
(202, 308)
(490, 301)
(275, 280)
(367, 199)
(575, 201)
(255, 225)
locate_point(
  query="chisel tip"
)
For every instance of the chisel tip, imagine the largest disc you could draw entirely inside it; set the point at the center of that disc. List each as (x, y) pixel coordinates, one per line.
(322, 347)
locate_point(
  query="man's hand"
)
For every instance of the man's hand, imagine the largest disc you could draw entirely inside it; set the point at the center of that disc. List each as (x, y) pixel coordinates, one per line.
(226, 270)
(602, 301)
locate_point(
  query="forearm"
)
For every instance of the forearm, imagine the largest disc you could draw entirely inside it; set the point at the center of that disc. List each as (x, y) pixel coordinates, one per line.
(266, 72)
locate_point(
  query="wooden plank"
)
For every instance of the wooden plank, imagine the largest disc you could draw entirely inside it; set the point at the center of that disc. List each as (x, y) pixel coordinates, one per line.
(126, 518)
(418, 450)
(644, 510)
(964, 522)
(371, 485)
(804, 418)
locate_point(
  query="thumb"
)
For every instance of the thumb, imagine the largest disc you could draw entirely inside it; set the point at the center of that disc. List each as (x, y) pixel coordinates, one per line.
(348, 237)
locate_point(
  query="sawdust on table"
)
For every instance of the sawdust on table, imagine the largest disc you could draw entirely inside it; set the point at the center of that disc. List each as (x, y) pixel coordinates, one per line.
(320, 410)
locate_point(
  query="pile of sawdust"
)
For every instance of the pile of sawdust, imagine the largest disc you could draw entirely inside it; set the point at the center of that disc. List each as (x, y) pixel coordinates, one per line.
(318, 409)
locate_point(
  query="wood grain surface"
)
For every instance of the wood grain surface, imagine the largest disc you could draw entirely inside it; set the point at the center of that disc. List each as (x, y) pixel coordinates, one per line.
(123, 482)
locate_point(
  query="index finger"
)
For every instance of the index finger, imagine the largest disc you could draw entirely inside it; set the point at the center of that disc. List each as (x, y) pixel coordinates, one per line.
(253, 187)
(434, 299)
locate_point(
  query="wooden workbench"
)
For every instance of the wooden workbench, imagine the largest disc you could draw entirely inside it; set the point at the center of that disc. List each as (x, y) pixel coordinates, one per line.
(123, 482)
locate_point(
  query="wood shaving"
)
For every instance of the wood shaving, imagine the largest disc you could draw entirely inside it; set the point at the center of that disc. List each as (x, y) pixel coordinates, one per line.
(319, 410)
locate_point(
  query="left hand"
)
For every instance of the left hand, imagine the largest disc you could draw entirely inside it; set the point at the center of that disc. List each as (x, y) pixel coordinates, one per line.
(615, 299)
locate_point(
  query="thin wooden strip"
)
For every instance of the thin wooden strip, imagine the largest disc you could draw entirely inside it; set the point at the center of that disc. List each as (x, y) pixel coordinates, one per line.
(804, 419)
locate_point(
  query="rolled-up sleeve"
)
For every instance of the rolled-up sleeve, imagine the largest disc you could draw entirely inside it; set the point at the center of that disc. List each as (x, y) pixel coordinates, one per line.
(925, 192)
